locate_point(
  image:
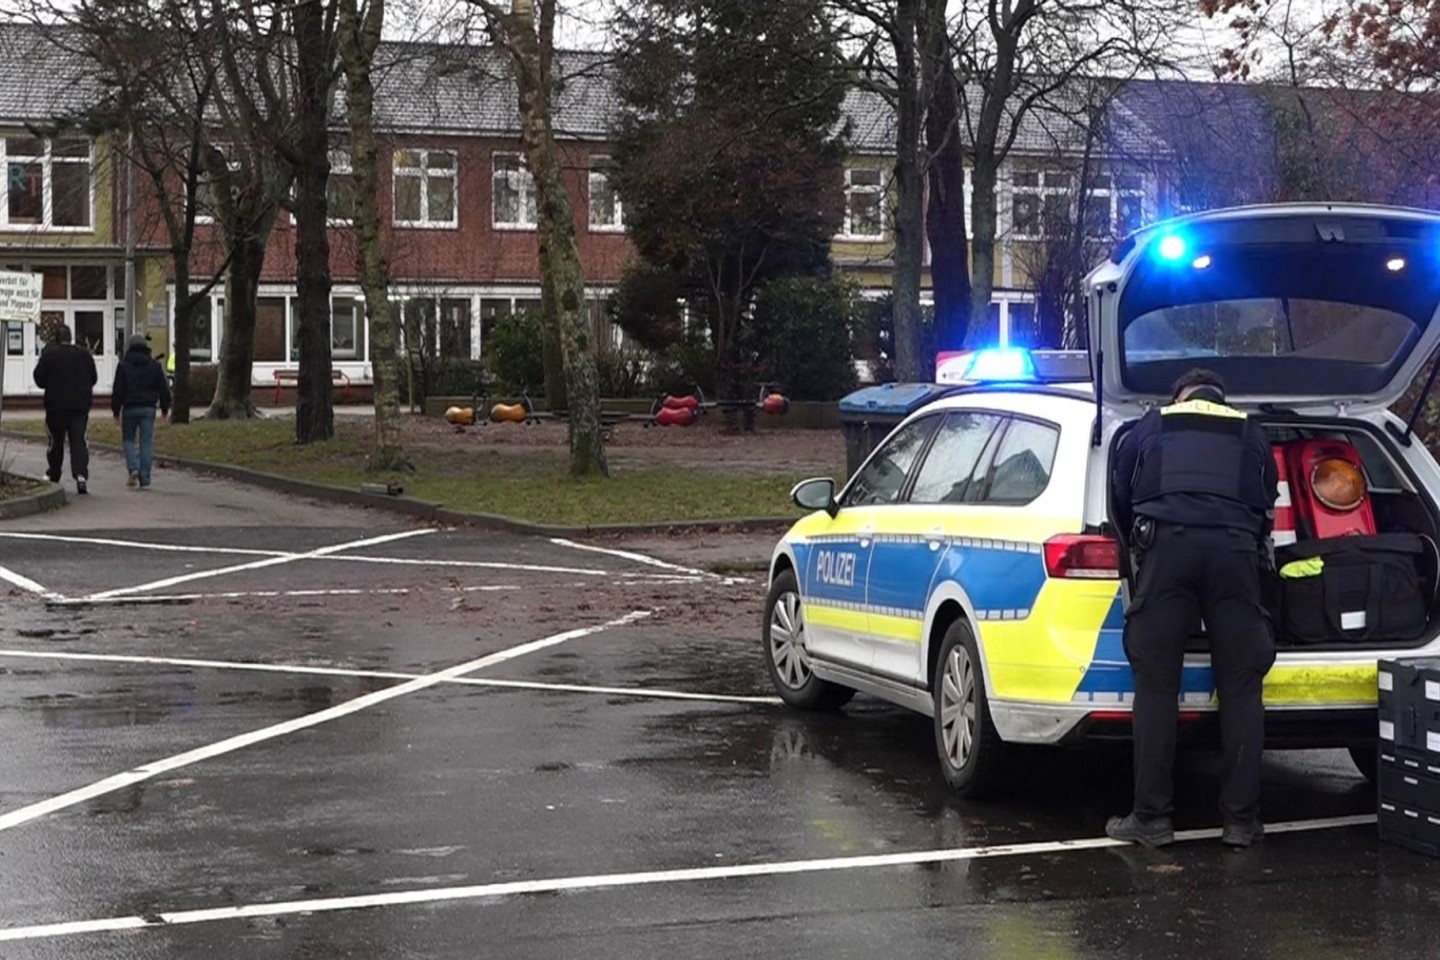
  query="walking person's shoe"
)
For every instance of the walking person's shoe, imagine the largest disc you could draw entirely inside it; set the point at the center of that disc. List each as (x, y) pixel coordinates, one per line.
(1156, 832)
(134, 480)
(1242, 834)
(80, 486)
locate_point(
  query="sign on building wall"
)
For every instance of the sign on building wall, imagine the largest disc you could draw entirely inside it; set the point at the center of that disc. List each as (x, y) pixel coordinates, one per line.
(19, 297)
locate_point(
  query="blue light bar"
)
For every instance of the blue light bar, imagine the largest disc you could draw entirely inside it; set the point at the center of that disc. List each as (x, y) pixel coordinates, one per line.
(1000, 364)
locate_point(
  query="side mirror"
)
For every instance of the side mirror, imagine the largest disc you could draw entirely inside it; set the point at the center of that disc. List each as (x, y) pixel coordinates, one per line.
(817, 493)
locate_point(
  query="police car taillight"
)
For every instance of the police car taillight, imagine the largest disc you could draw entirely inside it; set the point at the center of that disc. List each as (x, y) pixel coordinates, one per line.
(1082, 557)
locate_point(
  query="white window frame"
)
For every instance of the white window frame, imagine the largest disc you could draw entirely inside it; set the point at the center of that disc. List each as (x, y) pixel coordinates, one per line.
(424, 172)
(47, 162)
(340, 163)
(847, 228)
(1043, 190)
(599, 167)
(521, 175)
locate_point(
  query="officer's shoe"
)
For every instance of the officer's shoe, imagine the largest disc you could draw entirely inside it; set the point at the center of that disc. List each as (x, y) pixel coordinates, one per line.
(1242, 834)
(1157, 832)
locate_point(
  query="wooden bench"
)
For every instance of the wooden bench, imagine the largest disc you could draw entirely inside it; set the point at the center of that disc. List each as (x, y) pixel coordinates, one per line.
(337, 378)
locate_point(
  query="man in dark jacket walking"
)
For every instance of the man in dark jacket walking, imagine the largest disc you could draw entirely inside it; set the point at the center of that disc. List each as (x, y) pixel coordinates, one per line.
(139, 388)
(67, 375)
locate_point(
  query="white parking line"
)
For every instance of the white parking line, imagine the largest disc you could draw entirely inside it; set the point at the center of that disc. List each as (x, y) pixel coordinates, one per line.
(260, 564)
(291, 668)
(26, 584)
(612, 880)
(57, 600)
(153, 769)
(648, 560)
(144, 545)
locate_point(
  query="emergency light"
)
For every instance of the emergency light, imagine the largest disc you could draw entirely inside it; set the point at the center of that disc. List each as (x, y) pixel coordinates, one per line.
(1172, 246)
(999, 364)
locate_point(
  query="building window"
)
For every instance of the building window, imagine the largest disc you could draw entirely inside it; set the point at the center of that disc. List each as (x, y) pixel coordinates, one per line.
(1039, 203)
(425, 188)
(47, 182)
(514, 193)
(607, 214)
(206, 209)
(864, 203)
(340, 189)
(346, 329)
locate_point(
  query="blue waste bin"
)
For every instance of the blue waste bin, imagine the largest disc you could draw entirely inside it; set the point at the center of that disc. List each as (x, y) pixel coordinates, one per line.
(869, 414)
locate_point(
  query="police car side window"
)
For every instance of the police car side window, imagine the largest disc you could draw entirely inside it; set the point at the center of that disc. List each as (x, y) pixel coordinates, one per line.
(881, 480)
(954, 469)
(1023, 462)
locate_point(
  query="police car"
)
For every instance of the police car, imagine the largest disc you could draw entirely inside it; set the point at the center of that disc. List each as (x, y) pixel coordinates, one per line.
(968, 569)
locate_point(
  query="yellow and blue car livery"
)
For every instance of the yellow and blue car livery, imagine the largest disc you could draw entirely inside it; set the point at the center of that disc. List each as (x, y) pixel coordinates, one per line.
(880, 585)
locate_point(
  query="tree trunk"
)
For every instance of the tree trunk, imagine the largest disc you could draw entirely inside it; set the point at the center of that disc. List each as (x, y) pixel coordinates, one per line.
(237, 346)
(314, 414)
(561, 275)
(945, 219)
(552, 355)
(184, 321)
(358, 41)
(909, 206)
(982, 250)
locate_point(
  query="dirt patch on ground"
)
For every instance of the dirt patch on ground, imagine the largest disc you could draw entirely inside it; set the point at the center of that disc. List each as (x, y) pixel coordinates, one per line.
(705, 444)
(12, 486)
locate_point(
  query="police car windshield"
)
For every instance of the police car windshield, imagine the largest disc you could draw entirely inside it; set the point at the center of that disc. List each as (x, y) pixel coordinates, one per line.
(1296, 319)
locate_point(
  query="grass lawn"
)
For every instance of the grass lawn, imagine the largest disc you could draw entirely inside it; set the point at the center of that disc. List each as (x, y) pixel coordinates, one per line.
(483, 472)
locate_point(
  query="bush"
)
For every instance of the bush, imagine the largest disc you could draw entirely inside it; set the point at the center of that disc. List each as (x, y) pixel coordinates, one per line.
(803, 332)
(679, 369)
(620, 371)
(203, 377)
(515, 353)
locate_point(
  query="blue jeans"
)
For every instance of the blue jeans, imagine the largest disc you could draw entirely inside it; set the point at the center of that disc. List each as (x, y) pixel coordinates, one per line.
(138, 423)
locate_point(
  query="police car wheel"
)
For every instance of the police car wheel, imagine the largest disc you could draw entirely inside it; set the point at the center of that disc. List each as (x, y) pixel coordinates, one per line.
(968, 746)
(786, 655)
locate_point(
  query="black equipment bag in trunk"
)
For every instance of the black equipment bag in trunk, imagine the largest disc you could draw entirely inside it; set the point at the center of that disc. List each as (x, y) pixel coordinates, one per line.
(1357, 589)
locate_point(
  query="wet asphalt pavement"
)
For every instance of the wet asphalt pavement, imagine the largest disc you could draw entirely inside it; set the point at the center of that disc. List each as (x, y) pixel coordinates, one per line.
(416, 799)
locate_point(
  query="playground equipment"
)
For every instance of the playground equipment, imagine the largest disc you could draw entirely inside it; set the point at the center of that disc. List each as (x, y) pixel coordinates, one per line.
(667, 410)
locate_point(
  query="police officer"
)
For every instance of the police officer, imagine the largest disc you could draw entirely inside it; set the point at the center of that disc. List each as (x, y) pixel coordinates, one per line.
(1195, 483)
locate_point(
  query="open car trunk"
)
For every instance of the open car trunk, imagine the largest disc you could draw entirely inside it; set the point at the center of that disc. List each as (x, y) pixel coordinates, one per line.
(1318, 317)
(1395, 508)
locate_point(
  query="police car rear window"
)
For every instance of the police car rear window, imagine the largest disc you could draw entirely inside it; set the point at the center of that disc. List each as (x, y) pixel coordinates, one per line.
(1298, 319)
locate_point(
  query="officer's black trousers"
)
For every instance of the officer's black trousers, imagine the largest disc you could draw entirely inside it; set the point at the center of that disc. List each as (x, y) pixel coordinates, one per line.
(1189, 573)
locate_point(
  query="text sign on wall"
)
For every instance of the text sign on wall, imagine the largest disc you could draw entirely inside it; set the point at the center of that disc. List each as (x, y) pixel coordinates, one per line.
(19, 297)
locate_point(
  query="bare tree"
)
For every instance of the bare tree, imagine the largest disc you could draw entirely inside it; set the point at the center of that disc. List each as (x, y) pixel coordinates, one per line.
(359, 32)
(527, 34)
(901, 50)
(1019, 57)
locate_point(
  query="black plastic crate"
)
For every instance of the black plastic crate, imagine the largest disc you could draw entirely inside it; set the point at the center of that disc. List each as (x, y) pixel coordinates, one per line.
(1409, 778)
(1409, 704)
(1411, 828)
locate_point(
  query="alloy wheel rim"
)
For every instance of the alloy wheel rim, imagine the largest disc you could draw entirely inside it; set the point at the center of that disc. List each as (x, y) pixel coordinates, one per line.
(958, 707)
(787, 641)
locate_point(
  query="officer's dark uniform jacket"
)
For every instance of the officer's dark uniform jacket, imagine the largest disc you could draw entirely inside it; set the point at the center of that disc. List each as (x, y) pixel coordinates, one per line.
(1197, 463)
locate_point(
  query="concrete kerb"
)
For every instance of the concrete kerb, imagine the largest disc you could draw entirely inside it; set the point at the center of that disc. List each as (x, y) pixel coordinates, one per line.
(52, 497)
(439, 513)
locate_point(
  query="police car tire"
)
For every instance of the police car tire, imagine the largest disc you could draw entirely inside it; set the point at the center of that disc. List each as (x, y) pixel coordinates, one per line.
(1367, 760)
(814, 693)
(981, 773)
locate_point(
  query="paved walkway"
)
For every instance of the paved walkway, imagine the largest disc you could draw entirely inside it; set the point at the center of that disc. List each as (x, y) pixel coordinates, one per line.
(177, 498)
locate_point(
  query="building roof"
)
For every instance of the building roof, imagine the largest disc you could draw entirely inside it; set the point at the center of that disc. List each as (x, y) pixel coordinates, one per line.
(466, 89)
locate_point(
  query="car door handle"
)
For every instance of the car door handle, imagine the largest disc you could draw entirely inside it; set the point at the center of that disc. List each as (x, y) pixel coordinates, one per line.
(866, 535)
(936, 538)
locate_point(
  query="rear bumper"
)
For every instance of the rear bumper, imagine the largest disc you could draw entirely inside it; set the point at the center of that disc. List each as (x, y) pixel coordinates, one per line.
(1285, 728)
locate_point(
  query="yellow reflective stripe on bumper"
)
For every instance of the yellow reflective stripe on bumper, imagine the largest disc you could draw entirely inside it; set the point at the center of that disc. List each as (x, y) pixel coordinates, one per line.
(1320, 684)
